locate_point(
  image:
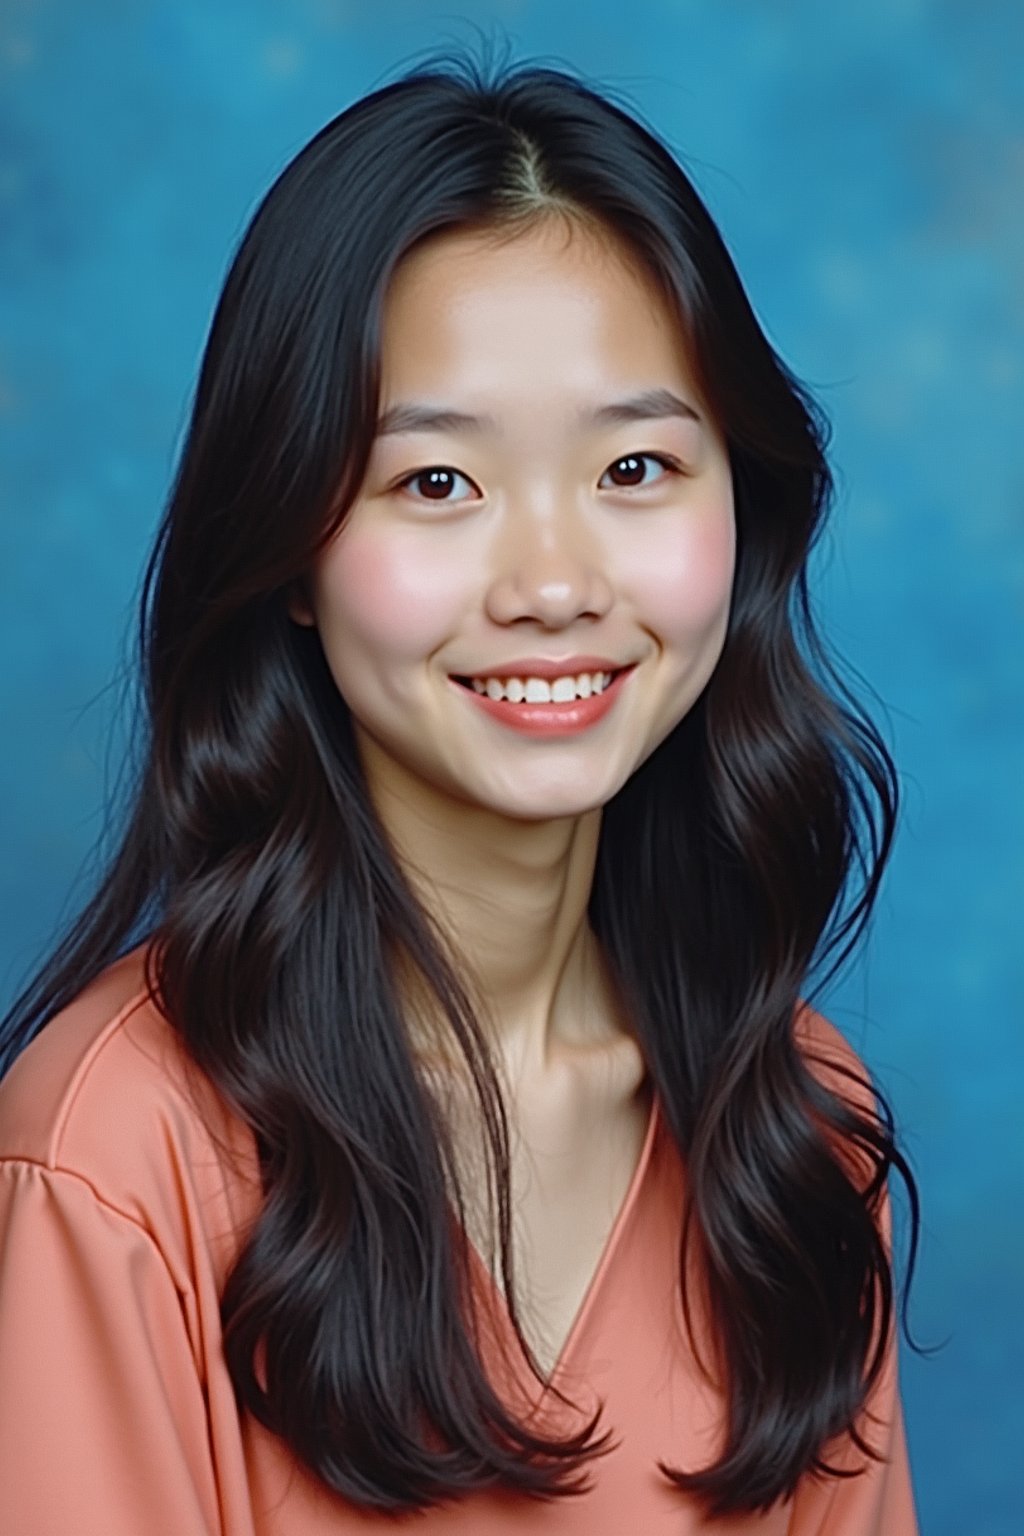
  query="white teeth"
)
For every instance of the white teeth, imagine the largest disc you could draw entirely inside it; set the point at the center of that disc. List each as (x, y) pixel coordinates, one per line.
(538, 690)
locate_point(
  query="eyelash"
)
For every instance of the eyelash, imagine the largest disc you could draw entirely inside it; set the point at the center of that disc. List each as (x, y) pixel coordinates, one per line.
(658, 458)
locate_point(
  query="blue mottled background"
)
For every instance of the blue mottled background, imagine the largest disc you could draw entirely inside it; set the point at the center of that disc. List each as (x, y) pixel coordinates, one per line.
(866, 164)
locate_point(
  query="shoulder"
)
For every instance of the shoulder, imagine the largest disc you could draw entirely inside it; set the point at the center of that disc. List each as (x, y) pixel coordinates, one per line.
(833, 1062)
(51, 1088)
(105, 1094)
(831, 1058)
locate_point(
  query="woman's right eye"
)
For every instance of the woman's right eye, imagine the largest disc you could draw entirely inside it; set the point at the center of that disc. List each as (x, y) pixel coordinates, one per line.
(437, 482)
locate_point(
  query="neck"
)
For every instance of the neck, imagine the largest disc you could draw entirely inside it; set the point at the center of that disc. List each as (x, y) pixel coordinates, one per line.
(511, 900)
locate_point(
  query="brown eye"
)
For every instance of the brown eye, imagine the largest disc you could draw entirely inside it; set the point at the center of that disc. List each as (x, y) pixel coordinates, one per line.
(435, 482)
(631, 467)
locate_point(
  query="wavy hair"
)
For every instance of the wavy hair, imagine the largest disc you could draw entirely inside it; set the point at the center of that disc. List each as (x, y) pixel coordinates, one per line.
(746, 850)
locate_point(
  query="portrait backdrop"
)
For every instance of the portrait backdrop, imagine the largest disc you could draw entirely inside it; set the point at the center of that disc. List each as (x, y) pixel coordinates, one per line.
(866, 166)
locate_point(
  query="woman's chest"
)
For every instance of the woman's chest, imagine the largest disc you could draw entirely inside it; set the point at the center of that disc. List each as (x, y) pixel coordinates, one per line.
(574, 1171)
(598, 1287)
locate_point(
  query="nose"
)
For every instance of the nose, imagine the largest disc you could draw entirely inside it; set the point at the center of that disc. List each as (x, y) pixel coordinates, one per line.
(547, 569)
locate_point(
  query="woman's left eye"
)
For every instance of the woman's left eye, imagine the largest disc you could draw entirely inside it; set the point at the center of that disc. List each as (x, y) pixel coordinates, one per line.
(632, 464)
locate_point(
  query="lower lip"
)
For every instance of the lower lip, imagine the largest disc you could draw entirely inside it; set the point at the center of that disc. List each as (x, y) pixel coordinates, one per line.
(550, 719)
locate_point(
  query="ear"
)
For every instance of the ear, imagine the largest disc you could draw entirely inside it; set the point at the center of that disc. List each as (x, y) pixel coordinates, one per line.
(299, 608)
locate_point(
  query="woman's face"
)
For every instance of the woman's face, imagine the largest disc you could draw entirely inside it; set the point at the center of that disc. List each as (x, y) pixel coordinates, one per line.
(546, 524)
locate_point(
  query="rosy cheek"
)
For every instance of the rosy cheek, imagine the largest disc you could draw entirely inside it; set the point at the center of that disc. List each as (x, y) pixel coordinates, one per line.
(387, 595)
(686, 578)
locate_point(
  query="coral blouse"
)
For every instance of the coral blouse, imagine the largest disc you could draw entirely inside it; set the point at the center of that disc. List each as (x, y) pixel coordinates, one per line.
(120, 1216)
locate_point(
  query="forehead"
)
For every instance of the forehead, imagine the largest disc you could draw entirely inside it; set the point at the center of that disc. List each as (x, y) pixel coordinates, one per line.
(558, 302)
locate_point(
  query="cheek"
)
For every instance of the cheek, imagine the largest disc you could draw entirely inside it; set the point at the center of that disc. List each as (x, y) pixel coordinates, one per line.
(384, 599)
(684, 584)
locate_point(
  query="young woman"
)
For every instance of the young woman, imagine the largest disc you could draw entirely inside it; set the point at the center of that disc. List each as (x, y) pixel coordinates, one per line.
(428, 1120)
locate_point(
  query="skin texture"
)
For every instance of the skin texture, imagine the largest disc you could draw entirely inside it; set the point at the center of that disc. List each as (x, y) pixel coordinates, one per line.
(541, 543)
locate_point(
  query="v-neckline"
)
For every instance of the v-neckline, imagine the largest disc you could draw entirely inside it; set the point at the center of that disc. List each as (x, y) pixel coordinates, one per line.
(607, 1254)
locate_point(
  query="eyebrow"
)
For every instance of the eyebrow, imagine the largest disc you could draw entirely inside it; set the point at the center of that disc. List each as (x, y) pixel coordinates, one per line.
(646, 406)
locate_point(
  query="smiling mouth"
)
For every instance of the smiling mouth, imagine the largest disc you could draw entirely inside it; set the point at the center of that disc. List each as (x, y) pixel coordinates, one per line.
(539, 691)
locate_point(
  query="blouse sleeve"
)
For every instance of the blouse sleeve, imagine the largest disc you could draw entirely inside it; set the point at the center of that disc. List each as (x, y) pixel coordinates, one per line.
(103, 1426)
(880, 1501)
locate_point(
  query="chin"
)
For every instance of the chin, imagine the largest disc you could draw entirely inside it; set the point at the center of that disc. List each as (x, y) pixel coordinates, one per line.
(546, 804)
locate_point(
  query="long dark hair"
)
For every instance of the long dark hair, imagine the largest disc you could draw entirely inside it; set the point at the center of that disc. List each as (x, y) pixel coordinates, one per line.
(279, 916)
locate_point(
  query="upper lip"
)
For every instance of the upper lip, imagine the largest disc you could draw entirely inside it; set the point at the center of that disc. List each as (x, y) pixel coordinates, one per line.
(545, 667)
